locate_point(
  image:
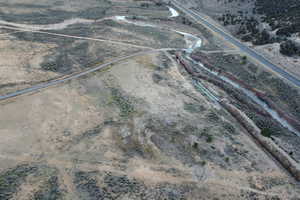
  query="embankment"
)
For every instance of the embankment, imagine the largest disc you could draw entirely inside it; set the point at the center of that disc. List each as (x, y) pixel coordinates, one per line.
(280, 155)
(261, 95)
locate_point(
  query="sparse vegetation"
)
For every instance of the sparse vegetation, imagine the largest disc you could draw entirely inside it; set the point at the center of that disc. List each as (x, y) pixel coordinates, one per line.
(266, 132)
(11, 179)
(213, 117)
(193, 107)
(87, 186)
(124, 103)
(279, 91)
(281, 16)
(49, 191)
(227, 159)
(209, 138)
(229, 127)
(289, 48)
(244, 60)
(136, 129)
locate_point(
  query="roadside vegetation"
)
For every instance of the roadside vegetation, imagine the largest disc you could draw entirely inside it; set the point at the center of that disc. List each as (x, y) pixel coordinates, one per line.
(280, 16)
(286, 96)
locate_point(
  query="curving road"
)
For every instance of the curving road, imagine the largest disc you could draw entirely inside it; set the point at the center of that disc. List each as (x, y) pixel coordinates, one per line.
(248, 51)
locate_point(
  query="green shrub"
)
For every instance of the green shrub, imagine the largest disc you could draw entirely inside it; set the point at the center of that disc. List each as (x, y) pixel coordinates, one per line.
(213, 117)
(124, 103)
(229, 127)
(193, 108)
(203, 162)
(266, 132)
(244, 60)
(209, 138)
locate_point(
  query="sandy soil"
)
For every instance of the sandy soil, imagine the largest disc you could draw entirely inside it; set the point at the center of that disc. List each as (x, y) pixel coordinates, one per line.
(51, 127)
(138, 127)
(271, 51)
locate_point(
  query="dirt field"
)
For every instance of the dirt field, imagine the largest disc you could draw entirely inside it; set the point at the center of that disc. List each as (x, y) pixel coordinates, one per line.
(141, 132)
(137, 129)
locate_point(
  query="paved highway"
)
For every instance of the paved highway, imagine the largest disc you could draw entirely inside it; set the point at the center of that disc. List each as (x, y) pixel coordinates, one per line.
(73, 76)
(248, 51)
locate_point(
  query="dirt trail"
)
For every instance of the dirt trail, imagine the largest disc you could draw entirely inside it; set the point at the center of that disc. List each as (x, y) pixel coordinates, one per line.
(76, 37)
(58, 26)
(234, 186)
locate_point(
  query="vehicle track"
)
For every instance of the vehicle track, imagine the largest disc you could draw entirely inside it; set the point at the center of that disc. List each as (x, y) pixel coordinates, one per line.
(76, 37)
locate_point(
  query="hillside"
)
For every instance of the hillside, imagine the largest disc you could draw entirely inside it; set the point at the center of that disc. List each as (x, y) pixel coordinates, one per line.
(272, 27)
(126, 100)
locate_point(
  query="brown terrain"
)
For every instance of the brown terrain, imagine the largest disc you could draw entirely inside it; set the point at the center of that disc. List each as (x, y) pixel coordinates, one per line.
(139, 128)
